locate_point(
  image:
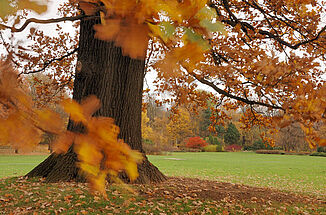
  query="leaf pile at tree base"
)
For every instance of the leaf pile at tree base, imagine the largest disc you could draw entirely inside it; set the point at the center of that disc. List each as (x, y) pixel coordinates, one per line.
(175, 196)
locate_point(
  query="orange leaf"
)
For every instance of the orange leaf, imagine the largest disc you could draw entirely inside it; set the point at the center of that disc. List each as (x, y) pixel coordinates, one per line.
(109, 30)
(44, 116)
(90, 105)
(133, 39)
(63, 142)
(74, 109)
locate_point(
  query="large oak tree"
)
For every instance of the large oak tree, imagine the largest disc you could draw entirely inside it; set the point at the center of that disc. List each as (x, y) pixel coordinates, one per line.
(253, 53)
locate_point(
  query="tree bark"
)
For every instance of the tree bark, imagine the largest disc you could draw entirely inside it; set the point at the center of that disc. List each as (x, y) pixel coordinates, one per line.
(117, 81)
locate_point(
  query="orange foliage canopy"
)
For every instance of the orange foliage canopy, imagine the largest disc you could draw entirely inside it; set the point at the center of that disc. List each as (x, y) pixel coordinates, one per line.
(266, 55)
(237, 44)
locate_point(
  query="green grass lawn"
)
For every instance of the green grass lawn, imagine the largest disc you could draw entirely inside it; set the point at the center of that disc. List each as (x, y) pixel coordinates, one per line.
(17, 165)
(306, 174)
(303, 174)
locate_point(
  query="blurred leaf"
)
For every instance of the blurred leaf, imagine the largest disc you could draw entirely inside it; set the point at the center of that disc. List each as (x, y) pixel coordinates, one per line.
(213, 26)
(36, 6)
(63, 142)
(131, 37)
(131, 169)
(44, 116)
(90, 105)
(74, 110)
(164, 30)
(5, 8)
(109, 30)
(87, 150)
(206, 13)
(197, 38)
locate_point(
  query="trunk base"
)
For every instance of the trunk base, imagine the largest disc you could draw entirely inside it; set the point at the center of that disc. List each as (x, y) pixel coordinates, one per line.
(63, 167)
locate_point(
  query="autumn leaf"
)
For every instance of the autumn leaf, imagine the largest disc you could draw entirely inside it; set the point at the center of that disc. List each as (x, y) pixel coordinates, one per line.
(98, 183)
(5, 8)
(36, 6)
(133, 38)
(44, 116)
(8, 7)
(23, 124)
(130, 36)
(80, 113)
(63, 141)
(98, 149)
(194, 37)
(87, 150)
(74, 109)
(109, 30)
(90, 105)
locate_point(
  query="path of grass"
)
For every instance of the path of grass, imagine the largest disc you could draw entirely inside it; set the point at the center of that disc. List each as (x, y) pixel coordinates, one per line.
(305, 174)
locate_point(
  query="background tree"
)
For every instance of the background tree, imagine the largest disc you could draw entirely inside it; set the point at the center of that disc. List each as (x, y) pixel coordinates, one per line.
(147, 131)
(180, 127)
(232, 135)
(291, 138)
(205, 122)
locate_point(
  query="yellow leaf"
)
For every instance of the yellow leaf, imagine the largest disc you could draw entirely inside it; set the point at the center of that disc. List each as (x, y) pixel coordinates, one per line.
(36, 6)
(87, 150)
(98, 182)
(131, 169)
(74, 109)
(91, 170)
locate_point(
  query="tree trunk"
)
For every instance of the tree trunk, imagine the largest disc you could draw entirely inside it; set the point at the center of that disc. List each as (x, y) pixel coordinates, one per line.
(117, 81)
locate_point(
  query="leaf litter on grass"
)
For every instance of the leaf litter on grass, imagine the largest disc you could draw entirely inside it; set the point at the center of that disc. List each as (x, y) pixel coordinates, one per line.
(174, 196)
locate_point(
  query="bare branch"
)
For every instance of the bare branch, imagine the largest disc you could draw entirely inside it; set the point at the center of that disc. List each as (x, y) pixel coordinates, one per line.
(233, 21)
(296, 46)
(42, 21)
(49, 62)
(244, 100)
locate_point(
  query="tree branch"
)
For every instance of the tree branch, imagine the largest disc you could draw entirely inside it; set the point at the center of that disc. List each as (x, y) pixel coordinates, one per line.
(49, 62)
(43, 21)
(244, 100)
(245, 25)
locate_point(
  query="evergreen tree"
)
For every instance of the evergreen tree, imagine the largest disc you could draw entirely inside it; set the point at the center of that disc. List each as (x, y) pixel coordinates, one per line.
(205, 122)
(232, 135)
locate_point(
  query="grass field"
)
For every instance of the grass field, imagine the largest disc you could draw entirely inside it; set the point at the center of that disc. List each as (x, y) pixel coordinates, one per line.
(304, 174)
(17, 165)
(301, 174)
(296, 173)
